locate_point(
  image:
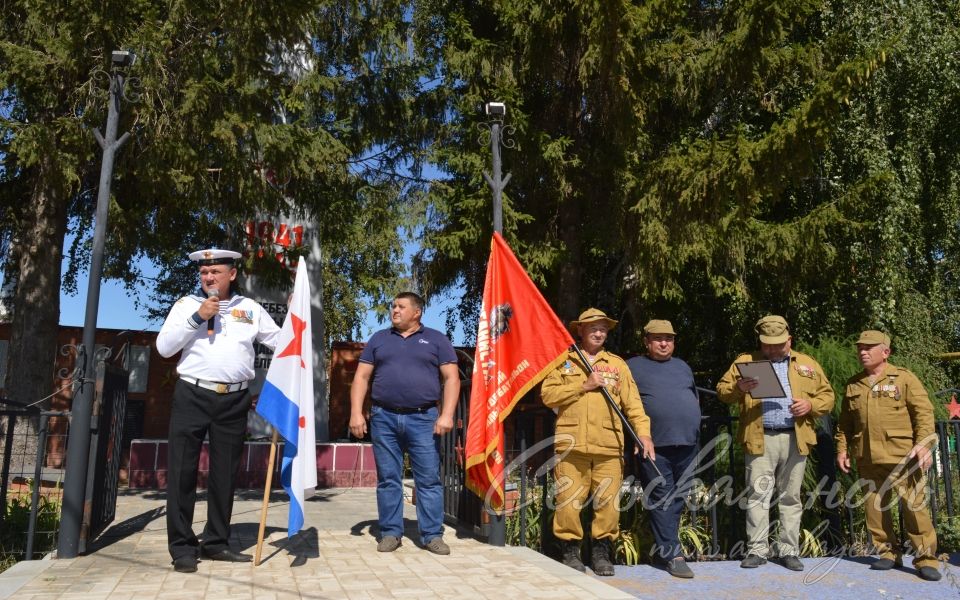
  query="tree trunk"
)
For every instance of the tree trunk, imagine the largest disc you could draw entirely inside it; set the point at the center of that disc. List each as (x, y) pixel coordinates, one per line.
(569, 283)
(36, 303)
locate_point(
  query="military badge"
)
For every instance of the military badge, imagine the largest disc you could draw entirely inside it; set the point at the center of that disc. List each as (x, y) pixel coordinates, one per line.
(500, 317)
(242, 316)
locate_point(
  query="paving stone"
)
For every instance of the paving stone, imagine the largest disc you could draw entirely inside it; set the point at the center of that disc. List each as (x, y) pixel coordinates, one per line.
(335, 558)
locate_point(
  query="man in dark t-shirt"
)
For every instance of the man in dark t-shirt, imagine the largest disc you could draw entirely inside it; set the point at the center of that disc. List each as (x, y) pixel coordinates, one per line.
(413, 368)
(670, 399)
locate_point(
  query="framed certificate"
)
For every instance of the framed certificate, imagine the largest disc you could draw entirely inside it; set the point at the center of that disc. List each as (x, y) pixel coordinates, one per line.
(768, 384)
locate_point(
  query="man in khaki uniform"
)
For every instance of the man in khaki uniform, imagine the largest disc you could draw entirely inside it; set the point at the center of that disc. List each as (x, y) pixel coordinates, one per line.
(589, 438)
(886, 424)
(777, 435)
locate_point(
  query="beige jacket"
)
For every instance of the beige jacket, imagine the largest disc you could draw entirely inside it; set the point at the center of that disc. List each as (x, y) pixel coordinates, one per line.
(585, 422)
(881, 423)
(807, 380)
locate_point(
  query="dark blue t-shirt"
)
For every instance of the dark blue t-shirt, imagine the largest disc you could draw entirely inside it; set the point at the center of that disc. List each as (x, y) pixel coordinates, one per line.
(670, 399)
(406, 370)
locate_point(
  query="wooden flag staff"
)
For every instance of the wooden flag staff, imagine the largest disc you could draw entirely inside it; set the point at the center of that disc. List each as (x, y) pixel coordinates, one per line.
(266, 495)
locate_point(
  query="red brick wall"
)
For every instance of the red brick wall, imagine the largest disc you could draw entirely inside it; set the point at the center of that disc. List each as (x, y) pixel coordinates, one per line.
(338, 465)
(160, 379)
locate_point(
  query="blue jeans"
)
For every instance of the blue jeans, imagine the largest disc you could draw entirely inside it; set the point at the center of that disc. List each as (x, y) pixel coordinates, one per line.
(665, 497)
(392, 435)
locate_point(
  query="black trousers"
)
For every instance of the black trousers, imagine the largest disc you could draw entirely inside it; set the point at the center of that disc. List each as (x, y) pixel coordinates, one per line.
(664, 498)
(197, 412)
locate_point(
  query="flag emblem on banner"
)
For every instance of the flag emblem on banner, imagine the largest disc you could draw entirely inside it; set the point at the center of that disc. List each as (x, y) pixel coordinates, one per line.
(286, 400)
(519, 341)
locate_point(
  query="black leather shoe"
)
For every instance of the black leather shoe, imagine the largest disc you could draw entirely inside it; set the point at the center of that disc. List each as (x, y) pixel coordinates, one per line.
(885, 564)
(752, 561)
(185, 564)
(929, 573)
(678, 568)
(226, 555)
(791, 562)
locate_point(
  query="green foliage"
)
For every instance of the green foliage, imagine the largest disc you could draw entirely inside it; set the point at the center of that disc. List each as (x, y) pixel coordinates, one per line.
(948, 535)
(838, 357)
(708, 163)
(535, 517)
(16, 520)
(694, 537)
(303, 112)
(633, 545)
(628, 549)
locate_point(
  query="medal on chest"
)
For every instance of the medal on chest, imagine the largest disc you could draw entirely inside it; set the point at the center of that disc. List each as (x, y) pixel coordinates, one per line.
(242, 316)
(611, 376)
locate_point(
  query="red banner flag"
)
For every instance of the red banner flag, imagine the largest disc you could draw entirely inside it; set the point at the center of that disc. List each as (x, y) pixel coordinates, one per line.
(519, 340)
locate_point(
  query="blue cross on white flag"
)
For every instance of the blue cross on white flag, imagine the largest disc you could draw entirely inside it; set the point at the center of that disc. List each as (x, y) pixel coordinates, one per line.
(286, 400)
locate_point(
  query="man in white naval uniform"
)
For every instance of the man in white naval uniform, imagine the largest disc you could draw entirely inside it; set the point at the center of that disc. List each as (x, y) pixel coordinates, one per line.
(215, 335)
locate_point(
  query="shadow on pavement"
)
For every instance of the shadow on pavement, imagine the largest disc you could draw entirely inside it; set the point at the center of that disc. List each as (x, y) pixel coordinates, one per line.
(302, 546)
(126, 528)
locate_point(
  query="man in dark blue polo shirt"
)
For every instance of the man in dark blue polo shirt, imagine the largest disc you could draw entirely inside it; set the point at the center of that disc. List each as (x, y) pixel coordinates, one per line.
(670, 399)
(413, 368)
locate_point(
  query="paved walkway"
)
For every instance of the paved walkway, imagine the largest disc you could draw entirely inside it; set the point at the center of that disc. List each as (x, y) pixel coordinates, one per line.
(822, 579)
(335, 558)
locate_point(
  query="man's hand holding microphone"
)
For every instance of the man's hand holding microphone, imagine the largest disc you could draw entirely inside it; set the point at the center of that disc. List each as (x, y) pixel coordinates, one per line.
(209, 308)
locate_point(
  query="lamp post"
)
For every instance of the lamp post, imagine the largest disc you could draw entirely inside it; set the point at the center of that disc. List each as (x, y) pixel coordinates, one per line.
(497, 531)
(78, 449)
(497, 111)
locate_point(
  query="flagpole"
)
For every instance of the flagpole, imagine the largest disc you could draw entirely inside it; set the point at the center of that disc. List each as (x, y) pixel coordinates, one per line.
(609, 398)
(497, 529)
(266, 495)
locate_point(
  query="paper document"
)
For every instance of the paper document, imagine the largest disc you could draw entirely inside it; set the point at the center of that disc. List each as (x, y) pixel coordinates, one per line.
(768, 384)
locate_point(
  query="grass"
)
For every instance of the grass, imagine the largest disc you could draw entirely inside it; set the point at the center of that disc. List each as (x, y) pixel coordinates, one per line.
(16, 521)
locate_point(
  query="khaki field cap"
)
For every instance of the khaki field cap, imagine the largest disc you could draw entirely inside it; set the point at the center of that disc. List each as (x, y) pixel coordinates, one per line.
(658, 326)
(772, 329)
(592, 315)
(872, 337)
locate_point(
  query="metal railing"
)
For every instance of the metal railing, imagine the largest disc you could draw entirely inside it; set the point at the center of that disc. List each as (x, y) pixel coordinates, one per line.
(724, 522)
(33, 447)
(460, 506)
(29, 528)
(946, 467)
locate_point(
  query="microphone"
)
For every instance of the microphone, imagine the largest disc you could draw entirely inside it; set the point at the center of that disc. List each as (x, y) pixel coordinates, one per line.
(212, 293)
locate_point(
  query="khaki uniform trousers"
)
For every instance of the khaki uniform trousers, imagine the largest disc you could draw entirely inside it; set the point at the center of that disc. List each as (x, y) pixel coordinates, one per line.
(578, 477)
(779, 469)
(912, 488)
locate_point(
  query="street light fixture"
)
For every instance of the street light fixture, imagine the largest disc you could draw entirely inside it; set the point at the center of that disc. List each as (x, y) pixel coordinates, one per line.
(495, 109)
(122, 58)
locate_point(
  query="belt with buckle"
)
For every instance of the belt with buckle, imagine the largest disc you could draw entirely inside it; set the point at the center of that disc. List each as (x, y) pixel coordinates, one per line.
(216, 386)
(779, 429)
(407, 410)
